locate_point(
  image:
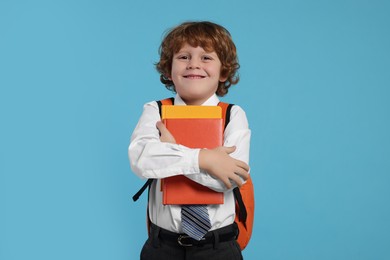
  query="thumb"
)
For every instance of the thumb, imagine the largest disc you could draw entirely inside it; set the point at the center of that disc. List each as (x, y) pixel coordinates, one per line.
(165, 135)
(229, 149)
(161, 127)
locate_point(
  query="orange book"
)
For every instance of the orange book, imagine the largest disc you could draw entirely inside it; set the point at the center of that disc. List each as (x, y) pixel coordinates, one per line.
(194, 127)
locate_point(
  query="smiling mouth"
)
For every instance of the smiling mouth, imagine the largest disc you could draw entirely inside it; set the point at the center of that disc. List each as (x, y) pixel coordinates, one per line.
(194, 76)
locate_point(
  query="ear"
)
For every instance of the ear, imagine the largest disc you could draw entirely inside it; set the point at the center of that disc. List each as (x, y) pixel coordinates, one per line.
(222, 79)
(166, 77)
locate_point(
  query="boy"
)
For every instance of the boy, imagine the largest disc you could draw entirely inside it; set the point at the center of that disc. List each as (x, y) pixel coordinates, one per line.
(198, 61)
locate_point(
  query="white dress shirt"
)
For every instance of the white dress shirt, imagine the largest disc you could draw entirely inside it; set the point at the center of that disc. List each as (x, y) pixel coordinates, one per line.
(151, 158)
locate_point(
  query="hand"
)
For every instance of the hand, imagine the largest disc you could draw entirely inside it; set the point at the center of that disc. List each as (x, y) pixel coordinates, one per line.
(165, 135)
(218, 163)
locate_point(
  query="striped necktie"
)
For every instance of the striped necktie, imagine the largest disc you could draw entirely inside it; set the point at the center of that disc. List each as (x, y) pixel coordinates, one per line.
(195, 220)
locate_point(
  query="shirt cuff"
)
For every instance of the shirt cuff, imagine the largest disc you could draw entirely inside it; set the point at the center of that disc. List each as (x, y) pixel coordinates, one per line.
(192, 160)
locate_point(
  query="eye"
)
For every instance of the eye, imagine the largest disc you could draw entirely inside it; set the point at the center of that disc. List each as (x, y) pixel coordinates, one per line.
(207, 58)
(183, 57)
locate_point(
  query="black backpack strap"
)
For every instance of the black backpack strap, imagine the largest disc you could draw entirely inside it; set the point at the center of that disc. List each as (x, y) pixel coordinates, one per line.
(148, 183)
(159, 104)
(227, 116)
(242, 213)
(139, 193)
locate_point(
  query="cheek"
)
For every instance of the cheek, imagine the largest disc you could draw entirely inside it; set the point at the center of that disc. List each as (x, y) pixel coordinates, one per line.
(172, 72)
(175, 69)
(216, 70)
(217, 73)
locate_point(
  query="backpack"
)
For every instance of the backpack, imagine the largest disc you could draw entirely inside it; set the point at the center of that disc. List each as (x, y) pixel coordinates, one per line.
(244, 196)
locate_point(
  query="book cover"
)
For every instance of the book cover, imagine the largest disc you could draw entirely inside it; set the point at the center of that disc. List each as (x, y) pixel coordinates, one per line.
(194, 127)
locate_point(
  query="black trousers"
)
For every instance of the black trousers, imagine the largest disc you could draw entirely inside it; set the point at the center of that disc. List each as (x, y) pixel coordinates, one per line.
(158, 248)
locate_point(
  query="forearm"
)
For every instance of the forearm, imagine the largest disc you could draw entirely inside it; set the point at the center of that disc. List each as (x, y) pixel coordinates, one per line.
(158, 160)
(241, 153)
(237, 134)
(151, 158)
(207, 180)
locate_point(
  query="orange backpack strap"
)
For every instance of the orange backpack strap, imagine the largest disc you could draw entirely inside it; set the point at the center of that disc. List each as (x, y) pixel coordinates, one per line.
(226, 107)
(166, 102)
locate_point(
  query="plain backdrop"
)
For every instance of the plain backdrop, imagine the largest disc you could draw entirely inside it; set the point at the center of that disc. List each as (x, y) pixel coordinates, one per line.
(315, 78)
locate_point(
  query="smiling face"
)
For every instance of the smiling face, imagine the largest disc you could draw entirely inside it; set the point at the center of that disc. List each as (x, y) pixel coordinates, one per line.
(195, 74)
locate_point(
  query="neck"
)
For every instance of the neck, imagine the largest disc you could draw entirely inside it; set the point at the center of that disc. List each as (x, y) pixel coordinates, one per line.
(195, 102)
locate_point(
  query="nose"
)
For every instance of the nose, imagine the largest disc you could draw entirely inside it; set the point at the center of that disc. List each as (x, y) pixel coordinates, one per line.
(193, 64)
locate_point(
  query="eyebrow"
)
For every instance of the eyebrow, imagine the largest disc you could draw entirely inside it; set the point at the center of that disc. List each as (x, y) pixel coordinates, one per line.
(181, 51)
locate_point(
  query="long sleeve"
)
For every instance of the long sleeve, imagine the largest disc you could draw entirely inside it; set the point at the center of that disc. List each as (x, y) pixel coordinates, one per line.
(150, 158)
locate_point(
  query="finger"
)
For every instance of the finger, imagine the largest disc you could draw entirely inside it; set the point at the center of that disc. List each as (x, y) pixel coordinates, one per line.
(242, 173)
(160, 126)
(227, 183)
(236, 179)
(165, 135)
(243, 165)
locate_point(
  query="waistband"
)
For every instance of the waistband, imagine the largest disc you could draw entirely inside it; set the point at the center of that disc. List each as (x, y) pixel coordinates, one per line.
(220, 235)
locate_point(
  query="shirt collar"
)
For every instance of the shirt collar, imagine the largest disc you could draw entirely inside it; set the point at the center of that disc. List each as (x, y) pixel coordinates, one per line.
(212, 101)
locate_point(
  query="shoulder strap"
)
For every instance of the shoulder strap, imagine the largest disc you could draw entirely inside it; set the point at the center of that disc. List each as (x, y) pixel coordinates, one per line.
(226, 108)
(143, 188)
(167, 101)
(242, 213)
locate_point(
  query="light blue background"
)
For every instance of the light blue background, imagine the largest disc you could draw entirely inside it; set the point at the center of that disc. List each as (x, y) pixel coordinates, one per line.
(315, 81)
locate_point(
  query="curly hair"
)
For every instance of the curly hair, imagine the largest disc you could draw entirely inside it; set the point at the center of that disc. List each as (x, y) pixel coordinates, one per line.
(209, 36)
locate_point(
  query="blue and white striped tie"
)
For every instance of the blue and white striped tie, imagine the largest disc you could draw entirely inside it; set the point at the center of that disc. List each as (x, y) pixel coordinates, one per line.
(195, 220)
